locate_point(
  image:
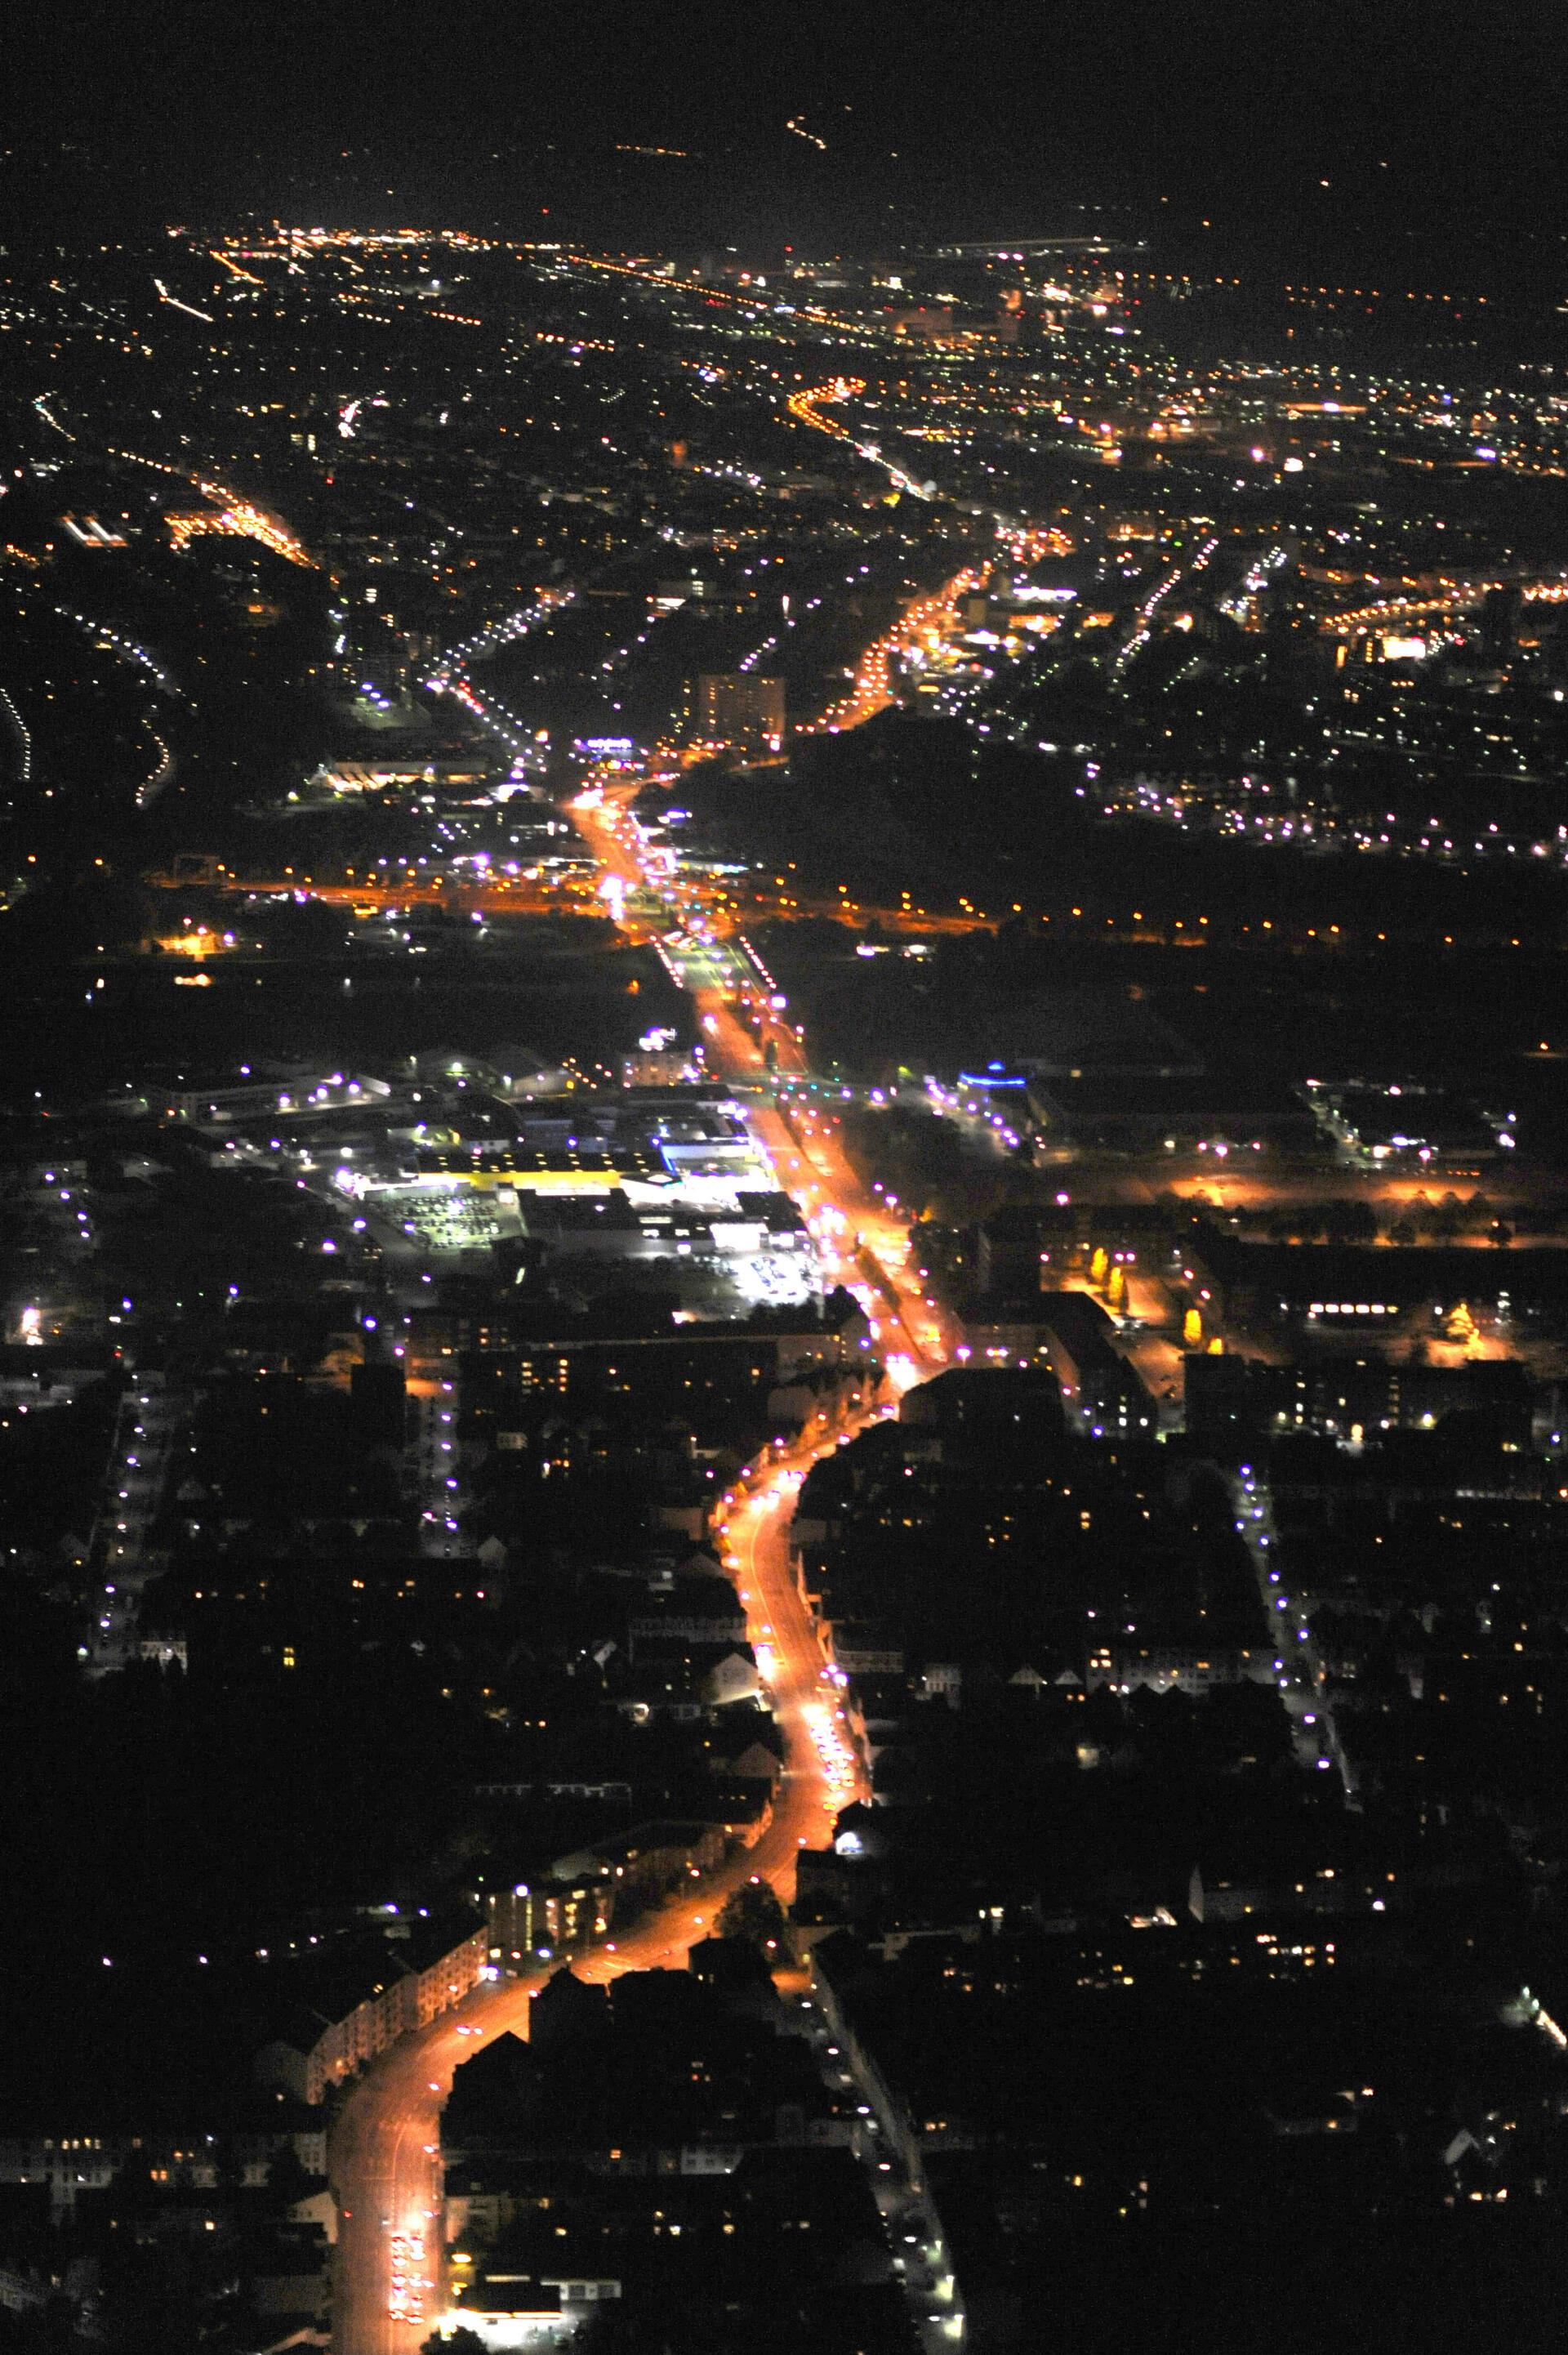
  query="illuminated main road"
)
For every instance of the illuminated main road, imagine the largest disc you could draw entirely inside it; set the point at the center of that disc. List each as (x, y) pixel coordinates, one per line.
(386, 2163)
(921, 626)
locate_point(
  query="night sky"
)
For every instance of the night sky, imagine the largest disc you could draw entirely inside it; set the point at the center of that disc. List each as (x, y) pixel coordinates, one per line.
(1442, 130)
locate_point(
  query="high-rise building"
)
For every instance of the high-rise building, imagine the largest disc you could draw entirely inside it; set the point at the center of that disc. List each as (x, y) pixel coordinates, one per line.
(741, 711)
(370, 650)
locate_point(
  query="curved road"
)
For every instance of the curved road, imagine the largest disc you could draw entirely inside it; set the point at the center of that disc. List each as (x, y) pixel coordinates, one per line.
(385, 2163)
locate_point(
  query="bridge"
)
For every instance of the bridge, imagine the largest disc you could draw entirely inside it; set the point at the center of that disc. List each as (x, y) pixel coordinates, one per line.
(501, 895)
(578, 895)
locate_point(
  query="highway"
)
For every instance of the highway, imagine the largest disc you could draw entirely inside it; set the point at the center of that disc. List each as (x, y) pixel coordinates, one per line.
(384, 2160)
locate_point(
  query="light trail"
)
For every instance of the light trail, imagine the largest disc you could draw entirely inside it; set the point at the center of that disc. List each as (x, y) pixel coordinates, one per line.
(151, 786)
(111, 641)
(46, 413)
(248, 275)
(806, 407)
(175, 303)
(23, 735)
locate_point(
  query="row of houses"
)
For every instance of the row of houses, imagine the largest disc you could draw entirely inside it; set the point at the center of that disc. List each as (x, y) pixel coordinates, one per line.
(353, 1998)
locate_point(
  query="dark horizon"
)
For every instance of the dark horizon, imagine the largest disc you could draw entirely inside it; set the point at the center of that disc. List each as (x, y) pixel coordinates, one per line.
(1419, 142)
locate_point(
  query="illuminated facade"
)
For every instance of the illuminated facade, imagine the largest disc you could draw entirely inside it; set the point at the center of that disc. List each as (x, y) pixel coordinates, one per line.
(740, 711)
